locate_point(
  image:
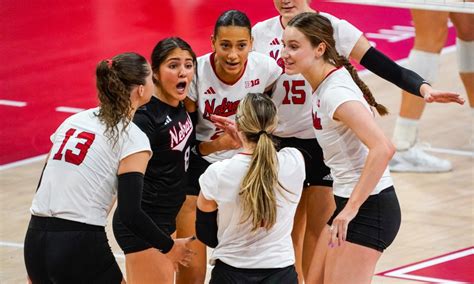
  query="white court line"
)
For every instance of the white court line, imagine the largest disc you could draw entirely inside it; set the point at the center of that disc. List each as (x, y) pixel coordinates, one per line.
(23, 162)
(69, 109)
(11, 245)
(18, 245)
(403, 272)
(450, 151)
(427, 279)
(12, 103)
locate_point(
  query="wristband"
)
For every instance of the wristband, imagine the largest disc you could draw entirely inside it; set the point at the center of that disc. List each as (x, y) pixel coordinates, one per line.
(195, 149)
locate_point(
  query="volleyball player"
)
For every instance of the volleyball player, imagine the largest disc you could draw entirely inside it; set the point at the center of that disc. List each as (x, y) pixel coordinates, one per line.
(431, 31)
(92, 152)
(367, 216)
(292, 97)
(247, 203)
(225, 76)
(169, 128)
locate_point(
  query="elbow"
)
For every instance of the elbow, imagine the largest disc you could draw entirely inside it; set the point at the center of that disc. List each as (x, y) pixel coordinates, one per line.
(127, 223)
(206, 227)
(204, 237)
(388, 150)
(127, 219)
(384, 151)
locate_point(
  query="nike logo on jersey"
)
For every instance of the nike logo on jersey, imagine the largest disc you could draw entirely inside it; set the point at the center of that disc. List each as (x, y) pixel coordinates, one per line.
(180, 136)
(275, 41)
(251, 83)
(210, 91)
(226, 108)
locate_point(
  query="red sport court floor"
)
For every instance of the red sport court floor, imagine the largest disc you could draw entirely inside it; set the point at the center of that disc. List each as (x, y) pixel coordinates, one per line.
(49, 50)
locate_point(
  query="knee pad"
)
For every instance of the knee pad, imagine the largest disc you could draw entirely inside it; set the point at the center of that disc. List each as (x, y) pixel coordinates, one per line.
(465, 55)
(426, 64)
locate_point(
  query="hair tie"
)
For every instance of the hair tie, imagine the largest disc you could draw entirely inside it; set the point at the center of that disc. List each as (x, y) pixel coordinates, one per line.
(109, 63)
(261, 132)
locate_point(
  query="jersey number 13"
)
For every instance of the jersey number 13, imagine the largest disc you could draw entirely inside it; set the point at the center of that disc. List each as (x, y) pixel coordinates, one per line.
(83, 147)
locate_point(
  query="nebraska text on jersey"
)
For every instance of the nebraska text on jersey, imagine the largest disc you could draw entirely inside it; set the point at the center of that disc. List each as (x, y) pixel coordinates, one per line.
(180, 136)
(226, 108)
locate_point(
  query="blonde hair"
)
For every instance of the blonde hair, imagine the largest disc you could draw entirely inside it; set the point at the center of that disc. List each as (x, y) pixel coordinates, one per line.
(256, 119)
(319, 29)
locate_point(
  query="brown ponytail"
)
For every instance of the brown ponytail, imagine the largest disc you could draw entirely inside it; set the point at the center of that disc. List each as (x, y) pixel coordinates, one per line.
(116, 78)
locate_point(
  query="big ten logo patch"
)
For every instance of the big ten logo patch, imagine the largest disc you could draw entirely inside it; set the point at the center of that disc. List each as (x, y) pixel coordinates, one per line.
(252, 83)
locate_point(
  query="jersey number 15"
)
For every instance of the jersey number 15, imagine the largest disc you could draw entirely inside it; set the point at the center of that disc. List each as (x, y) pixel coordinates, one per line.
(296, 89)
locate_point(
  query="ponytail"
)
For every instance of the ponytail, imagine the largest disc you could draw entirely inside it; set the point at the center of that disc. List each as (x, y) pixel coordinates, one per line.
(258, 186)
(115, 79)
(256, 118)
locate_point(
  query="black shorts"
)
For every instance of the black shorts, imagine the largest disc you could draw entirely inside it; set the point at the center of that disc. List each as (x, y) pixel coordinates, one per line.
(62, 251)
(226, 274)
(129, 242)
(317, 173)
(197, 166)
(377, 223)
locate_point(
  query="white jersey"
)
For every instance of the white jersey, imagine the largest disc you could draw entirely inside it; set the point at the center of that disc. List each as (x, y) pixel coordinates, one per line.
(343, 151)
(292, 92)
(216, 97)
(79, 182)
(237, 245)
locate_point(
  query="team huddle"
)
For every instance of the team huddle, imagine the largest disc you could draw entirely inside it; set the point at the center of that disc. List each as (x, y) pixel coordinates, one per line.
(265, 150)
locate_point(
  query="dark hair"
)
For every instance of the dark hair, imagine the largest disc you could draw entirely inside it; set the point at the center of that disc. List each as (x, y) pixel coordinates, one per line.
(163, 49)
(233, 18)
(319, 29)
(115, 79)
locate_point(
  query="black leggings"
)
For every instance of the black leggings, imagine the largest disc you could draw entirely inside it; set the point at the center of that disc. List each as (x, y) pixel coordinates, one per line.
(226, 274)
(63, 251)
(377, 222)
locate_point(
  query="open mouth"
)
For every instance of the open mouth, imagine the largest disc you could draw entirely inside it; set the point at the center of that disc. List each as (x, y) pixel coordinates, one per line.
(181, 86)
(232, 65)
